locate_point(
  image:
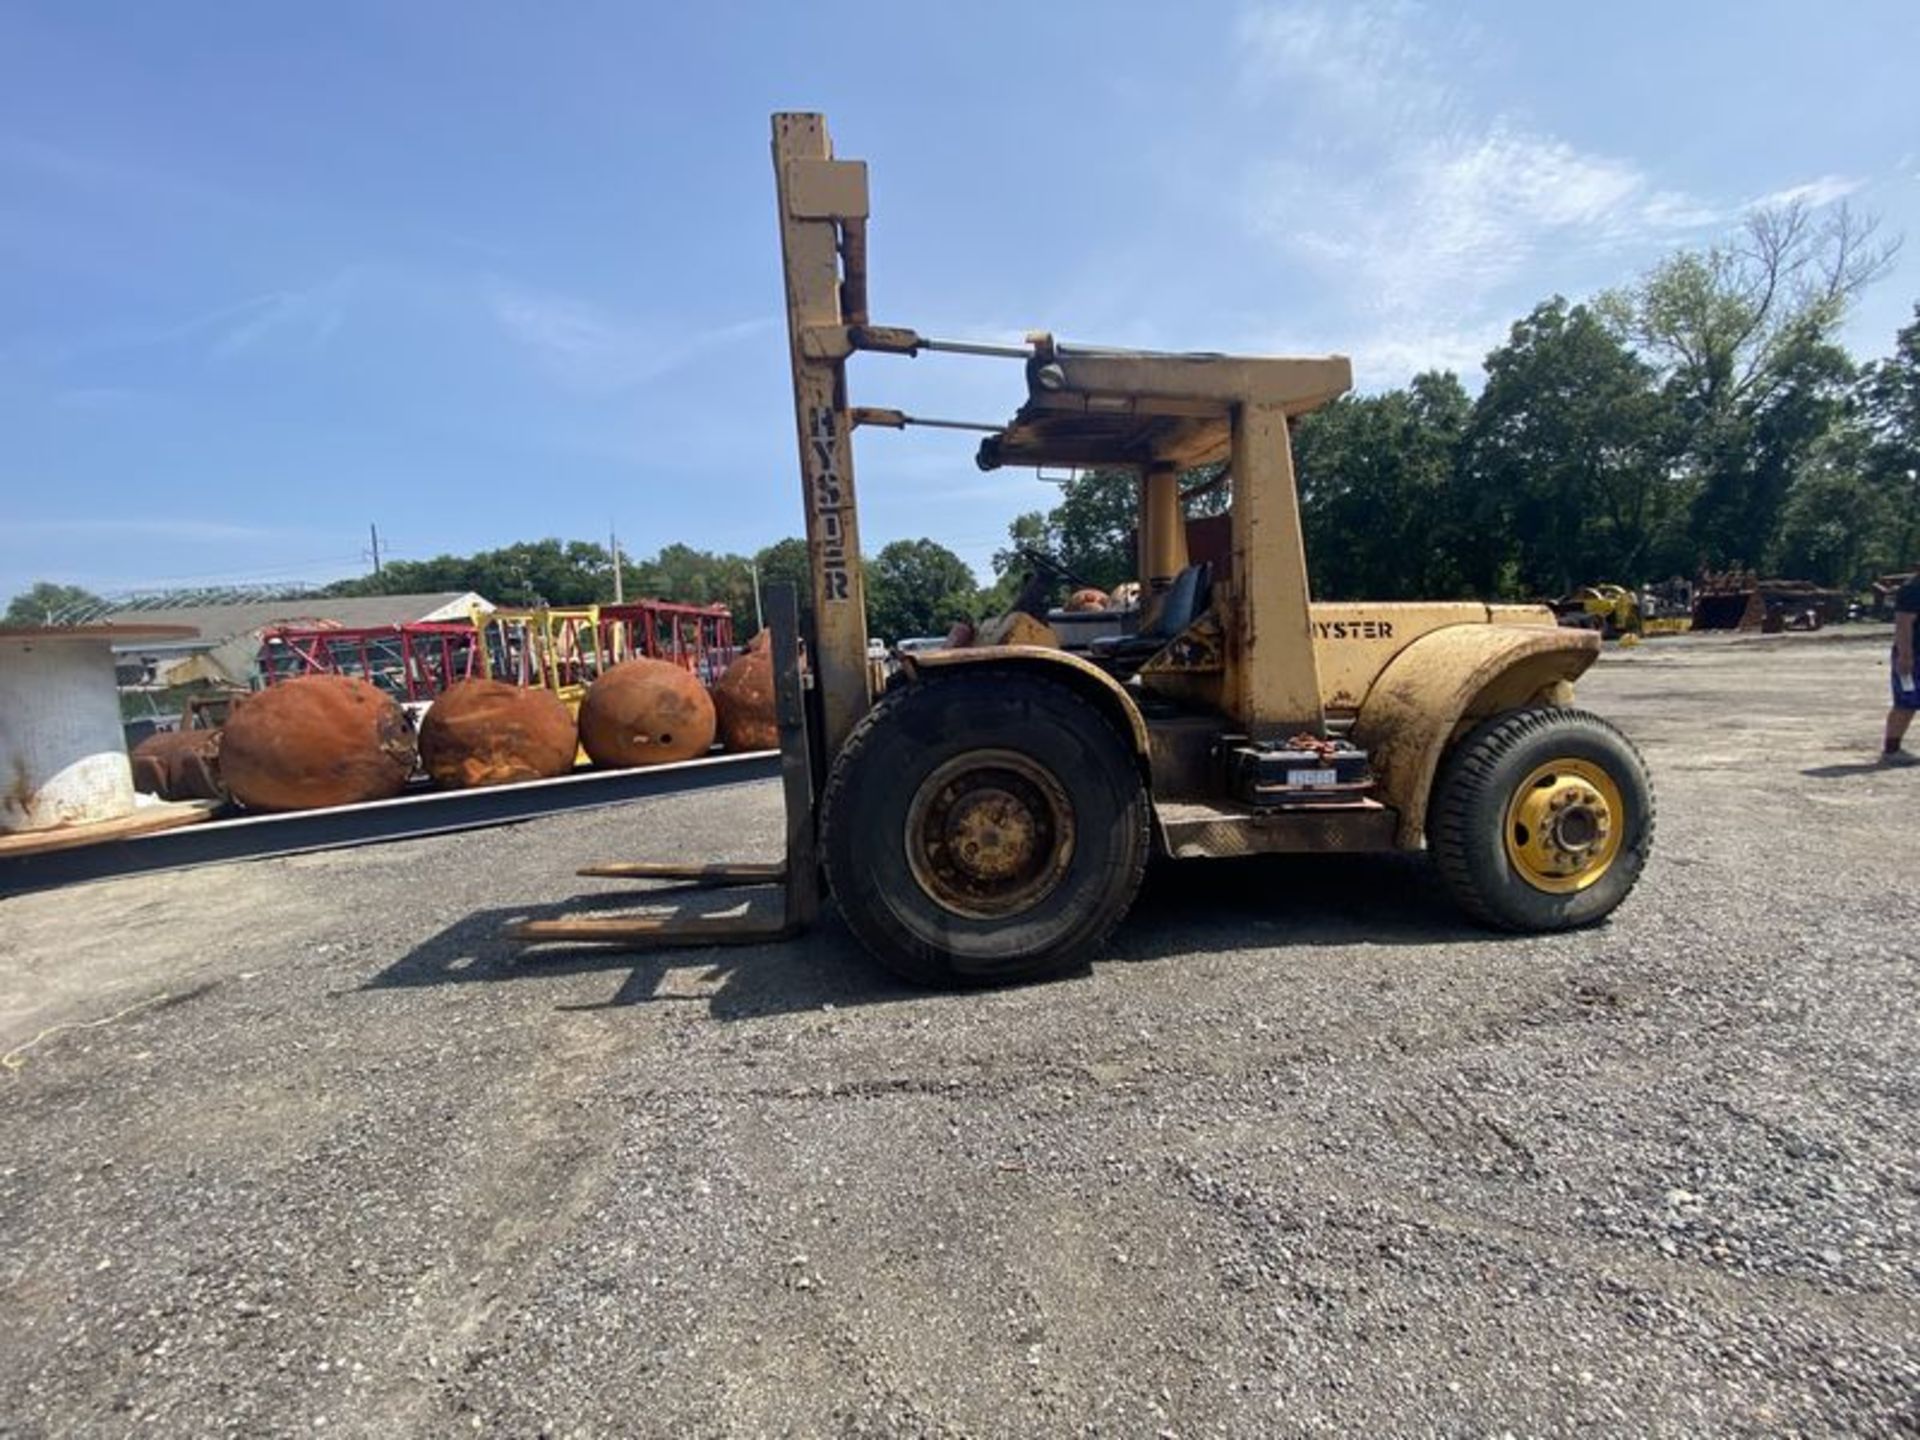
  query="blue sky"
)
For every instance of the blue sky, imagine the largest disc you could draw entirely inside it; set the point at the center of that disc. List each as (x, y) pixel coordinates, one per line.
(480, 272)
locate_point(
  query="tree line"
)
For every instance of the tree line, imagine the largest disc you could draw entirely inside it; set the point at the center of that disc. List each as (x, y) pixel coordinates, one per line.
(914, 587)
(1703, 417)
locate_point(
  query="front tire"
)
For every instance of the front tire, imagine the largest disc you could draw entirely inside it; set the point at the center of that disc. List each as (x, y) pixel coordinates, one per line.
(1541, 819)
(984, 829)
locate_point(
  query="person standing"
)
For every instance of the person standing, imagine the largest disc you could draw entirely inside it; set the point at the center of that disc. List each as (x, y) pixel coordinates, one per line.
(1906, 684)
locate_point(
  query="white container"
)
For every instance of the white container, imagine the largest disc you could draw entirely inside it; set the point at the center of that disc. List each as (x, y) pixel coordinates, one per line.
(63, 754)
(1078, 629)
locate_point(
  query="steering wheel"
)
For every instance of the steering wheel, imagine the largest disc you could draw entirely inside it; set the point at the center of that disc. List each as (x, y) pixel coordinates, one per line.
(1040, 560)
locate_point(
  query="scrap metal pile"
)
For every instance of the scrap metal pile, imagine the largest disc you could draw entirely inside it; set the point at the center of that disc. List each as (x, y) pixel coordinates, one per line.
(1742, 600)
(327, 739)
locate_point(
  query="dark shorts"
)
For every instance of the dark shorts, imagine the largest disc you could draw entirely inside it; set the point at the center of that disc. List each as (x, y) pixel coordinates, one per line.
(1908, 699)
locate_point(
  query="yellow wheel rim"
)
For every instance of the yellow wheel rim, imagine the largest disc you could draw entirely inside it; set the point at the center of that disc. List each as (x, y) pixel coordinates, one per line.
(1564, 825)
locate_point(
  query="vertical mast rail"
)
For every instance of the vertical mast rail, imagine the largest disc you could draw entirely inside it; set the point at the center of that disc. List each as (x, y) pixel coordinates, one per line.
(823, 214)
(1273, 678)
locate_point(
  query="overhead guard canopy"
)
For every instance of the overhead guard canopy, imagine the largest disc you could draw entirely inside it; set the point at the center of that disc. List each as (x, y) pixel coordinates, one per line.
(1091, 407)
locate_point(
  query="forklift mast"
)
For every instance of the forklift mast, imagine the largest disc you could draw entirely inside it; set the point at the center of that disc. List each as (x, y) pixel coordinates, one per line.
(823, 248)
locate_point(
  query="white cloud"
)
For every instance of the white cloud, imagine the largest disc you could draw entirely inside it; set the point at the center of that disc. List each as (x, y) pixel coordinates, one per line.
(311, 315)
(1360, 64)
(587, 349)
(1821, 190)
(1419, 211)
(307, 315)
(1387, 354)
(1388, 357)
(1446, 222)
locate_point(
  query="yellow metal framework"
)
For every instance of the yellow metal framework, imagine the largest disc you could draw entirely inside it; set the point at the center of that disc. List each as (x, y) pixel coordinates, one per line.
(558, 648)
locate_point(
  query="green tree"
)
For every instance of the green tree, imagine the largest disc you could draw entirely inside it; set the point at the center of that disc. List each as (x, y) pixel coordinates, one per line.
(538, 572)
(1798, 426)
(917, 587)
(1377, 495)
(697, 577)
(1739, 334)
(1889, 400)
(572, 572)
(48, 603)
(1027, 531)
(785, 563)
(1091, 531)
(1564, 475)
(1835, 523)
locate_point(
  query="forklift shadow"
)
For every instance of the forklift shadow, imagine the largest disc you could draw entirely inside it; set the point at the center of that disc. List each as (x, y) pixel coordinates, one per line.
(825, 966)
(1267, 901)
(1185, 907)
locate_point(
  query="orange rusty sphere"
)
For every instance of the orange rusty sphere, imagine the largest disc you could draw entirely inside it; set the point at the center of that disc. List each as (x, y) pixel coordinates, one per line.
(743, 699)
(487, 732)
(318, 740)
(646, 712)
(1088, 599)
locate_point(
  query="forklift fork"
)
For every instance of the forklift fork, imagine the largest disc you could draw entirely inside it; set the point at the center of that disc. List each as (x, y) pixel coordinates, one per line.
(798, 875)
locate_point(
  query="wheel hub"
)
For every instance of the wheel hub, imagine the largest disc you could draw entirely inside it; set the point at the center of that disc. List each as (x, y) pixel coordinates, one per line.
(989, 834)
(1563, 825)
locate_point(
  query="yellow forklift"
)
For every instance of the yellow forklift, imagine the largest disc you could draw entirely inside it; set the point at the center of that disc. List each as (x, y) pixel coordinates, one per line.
(989, 817)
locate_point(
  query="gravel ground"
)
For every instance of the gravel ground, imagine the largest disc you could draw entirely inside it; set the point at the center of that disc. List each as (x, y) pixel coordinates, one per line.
(312, 1150)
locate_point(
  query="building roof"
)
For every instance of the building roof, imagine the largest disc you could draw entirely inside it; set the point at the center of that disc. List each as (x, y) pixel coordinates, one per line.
(230, 634)
(220, 623)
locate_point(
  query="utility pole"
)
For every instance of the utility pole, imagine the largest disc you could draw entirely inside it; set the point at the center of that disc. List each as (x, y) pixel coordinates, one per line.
(619, 587)
(753, 566)
(373, 530)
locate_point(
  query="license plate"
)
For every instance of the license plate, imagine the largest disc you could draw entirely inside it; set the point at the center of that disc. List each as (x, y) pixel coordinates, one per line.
(1313, 777)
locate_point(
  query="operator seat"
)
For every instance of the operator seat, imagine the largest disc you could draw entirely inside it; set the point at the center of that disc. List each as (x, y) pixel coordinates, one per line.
(1186, 601)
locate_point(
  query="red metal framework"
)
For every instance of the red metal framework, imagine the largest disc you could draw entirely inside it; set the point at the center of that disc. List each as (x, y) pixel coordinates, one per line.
(412, 663)
(695, 637)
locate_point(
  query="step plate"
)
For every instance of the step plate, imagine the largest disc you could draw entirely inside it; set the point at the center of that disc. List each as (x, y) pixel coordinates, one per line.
(1191, 830)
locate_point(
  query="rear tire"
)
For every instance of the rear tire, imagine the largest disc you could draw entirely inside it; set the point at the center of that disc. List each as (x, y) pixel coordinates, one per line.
(1541, 819)
(980, 830)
